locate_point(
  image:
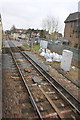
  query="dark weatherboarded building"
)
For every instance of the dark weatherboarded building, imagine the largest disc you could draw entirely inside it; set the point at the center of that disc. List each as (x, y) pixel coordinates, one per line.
(72, 29)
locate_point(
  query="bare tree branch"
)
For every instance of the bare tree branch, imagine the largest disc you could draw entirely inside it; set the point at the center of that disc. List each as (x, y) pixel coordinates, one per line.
(50, 24)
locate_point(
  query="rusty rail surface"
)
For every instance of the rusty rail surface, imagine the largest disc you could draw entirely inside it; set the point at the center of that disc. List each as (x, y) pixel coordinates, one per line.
(65, 94)
(30, 94)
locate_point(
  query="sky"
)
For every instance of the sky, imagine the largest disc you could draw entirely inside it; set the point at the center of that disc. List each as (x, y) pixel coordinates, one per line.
(30, 13)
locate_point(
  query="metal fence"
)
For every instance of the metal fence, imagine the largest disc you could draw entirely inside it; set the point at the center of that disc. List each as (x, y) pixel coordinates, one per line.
(60, 48)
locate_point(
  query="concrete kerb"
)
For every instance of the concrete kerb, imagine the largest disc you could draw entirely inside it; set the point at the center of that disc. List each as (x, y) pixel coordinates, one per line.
(0, 84)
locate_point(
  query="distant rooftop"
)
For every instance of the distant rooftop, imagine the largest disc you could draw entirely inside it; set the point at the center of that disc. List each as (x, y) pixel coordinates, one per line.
(73, 17)
(19, 31)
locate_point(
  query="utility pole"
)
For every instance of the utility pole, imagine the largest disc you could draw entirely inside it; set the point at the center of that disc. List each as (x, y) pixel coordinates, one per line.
(32, 42)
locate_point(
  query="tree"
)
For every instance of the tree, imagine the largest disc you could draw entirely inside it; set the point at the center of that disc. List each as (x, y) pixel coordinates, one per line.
(13, 27)
(42, 34)
(50, 24)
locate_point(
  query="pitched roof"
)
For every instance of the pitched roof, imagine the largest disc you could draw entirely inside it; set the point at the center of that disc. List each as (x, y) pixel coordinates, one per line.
(19, 31)
(73, 17)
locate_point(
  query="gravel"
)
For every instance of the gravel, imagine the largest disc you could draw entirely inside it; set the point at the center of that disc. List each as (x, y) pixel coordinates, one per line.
(54, 73)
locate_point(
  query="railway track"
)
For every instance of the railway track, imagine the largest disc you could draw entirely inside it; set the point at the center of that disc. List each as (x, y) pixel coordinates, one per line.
(57, 85)
(19, 90)
(49, 99)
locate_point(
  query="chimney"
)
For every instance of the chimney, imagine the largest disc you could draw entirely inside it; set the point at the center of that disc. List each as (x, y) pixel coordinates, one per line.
(79, 6)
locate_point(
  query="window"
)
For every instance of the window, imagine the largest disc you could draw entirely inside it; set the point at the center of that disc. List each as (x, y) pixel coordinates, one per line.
(77, 35)
(71, 24)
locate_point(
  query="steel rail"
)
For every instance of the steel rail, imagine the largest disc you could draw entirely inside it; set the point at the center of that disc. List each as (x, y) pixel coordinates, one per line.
(51, 103)
(73, 81)
(31, 97)
(64, 92)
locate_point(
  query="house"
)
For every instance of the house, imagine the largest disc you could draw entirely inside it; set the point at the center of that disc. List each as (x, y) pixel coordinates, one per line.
(18, 33)
(72, 29)
(57, 35)
(0, 33)
(35, 34)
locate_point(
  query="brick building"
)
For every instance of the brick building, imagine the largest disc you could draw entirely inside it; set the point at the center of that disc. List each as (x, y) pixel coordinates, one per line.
(0, 32)
(35, 33)
(72, 29)
(15, 33)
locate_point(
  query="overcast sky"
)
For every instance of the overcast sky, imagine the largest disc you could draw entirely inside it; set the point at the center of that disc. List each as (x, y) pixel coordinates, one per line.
(30, 13)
